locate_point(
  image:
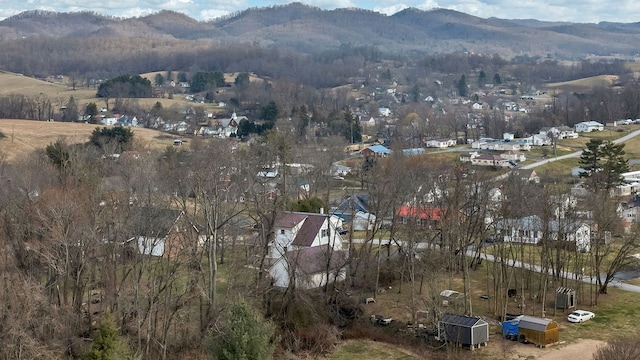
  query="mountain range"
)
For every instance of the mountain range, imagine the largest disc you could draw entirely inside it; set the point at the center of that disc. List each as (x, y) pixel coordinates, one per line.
(307, 29)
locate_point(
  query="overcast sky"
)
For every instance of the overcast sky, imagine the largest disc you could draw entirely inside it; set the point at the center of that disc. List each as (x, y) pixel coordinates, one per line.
(591, 11)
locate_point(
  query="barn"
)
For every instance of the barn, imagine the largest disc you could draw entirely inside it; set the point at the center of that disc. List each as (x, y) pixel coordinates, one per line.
(539, 331)
(463, 330)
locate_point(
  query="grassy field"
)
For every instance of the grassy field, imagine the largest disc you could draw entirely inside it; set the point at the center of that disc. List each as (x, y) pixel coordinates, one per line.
(584, 83)
(59, 92)
(23, 136)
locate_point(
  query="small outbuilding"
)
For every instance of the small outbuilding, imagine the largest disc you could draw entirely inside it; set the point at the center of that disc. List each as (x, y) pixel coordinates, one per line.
(539, 331)
(565, 298)
(463, 330)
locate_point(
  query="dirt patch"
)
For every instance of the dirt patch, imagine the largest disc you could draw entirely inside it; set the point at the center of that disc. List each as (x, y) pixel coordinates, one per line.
(582, 348)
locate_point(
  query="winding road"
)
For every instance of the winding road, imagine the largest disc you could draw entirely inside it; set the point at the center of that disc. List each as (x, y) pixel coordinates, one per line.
(577, 153)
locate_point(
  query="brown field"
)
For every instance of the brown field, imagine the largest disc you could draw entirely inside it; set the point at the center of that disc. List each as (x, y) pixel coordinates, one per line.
(24, 136)
(585, 83)
(59, 92)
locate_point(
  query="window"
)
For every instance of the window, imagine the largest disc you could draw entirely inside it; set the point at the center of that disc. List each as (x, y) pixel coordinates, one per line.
(418, 221)
(404, 220)
(282, 231)
(323, 233)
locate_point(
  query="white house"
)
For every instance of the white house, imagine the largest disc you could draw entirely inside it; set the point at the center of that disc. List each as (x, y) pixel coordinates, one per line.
(307, 251)
(538, 140)
(369, 123)
(560, 132)
(589, 126)
(363, 221)
(513, 156)
(383, 111)
(530, 230)
(489, 160)
(440, 143)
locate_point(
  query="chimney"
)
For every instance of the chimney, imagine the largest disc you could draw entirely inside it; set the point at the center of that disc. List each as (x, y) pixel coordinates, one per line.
(321, 211)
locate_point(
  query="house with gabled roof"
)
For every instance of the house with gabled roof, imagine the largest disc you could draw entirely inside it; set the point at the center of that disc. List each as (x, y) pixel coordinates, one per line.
(531, 230)
(162, 232)
(419, 215)
(527, 175)
(376, 151)
(588, 126)
(306, 251)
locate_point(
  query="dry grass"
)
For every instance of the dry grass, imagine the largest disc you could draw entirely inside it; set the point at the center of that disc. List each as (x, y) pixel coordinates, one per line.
(367, 349)
(24, 136)
(58, 92)
(585, 83)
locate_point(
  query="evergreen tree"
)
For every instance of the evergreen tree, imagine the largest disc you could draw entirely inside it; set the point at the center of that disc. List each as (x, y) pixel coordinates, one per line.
(245, 335)
(496, 79)
(270, 112)
(159, 79)
(603, 163)
(461, 85)
(58, 154)
(119, 136)
(107, 344)
(482, 78)
(70, 112)
(91, 109)
(415, 93)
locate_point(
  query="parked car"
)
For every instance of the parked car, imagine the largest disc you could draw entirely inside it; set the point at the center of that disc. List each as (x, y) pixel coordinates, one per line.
(380, 320)
(579, 316)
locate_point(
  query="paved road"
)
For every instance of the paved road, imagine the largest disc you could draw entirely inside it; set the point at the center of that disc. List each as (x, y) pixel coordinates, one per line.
(616, 283)
(577, 153)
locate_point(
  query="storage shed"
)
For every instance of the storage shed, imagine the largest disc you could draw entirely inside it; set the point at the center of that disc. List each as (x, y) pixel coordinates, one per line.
(565, 298)
(539, 331)
(463, 330)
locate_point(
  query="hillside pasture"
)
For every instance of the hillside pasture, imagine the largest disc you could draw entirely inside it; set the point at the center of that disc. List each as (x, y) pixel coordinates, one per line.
(584, 83)
(57, 91)
(24, 136)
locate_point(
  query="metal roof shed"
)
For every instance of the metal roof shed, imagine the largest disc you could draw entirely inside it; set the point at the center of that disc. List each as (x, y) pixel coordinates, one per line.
(541, 332)
(463, 330)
